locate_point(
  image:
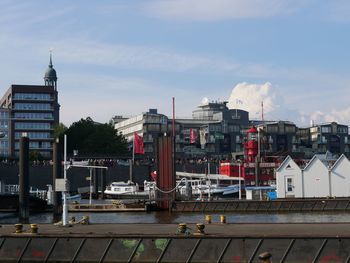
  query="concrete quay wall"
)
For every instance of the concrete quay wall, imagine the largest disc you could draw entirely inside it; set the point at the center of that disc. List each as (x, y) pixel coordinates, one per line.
(275, 206)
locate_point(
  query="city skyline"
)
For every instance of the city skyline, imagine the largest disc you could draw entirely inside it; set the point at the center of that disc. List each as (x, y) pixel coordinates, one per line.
(123, 57)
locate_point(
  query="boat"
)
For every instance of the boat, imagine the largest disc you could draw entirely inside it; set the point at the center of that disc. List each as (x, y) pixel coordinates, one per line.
(122, 188)
(209, 184)
(128, 189)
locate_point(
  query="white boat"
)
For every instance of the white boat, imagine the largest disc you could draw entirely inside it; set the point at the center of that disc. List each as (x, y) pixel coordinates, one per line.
(122, 188)
(210, 184)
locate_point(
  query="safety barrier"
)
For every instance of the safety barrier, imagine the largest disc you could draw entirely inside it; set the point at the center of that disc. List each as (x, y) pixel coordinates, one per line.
(179, 248)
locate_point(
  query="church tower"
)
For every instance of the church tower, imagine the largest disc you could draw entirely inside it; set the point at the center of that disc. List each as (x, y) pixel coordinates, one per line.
(50, 75)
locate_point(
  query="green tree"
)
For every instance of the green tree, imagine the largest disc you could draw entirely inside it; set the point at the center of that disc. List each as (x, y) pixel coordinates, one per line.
(89, 138)
(59, 130)
(35, 155)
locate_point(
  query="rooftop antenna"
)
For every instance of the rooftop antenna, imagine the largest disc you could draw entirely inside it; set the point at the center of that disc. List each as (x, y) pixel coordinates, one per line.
(262, 111)
(51, 50)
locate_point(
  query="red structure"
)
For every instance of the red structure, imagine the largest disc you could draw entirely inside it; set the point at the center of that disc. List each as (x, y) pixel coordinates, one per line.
(251, 146)
(266, 167)
(165, 171)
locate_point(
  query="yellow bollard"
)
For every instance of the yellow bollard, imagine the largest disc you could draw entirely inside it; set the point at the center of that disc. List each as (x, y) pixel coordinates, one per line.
(85, 220)
(181, 228)
(200, 228)
(223, 219)
(34, 228)
(19, 228)
(208, 219)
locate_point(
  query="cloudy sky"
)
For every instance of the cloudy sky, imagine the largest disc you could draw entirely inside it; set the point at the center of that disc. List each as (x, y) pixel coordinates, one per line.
(124, 57)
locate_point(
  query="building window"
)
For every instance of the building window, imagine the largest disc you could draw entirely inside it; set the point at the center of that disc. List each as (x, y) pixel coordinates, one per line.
(33, 115)
(272, 129)
(32, 96)
(34, 135)
(290, 129)
(326, 129)
(3, 124)
(32, 106)
(4, 115)
(290, 185)
(32, 125)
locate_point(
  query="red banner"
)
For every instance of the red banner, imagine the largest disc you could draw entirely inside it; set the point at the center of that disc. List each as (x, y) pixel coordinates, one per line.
(193, 136)
(138, 144)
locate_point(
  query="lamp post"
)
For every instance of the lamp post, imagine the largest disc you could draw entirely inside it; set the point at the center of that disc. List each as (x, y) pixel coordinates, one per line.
(65, 188)
(64, 193)
(91, 187)
(239, 180)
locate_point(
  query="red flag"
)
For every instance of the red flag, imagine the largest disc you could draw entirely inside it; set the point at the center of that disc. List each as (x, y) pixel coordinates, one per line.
(138, 144)
(193, 136)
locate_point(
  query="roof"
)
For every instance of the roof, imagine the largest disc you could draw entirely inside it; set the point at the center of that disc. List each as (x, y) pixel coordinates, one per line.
(285, 161)
(340, 159)
(314, 159)
(50, 73)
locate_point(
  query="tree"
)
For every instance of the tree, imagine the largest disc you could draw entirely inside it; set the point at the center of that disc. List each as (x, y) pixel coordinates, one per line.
(90, 138)
(59, 130)
(35, 155)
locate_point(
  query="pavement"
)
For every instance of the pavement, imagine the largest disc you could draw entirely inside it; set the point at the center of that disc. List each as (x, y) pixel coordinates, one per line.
(269, 230)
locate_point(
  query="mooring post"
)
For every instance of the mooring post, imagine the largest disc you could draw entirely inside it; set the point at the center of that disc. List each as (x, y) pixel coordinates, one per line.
(24, 179)
(57, 173)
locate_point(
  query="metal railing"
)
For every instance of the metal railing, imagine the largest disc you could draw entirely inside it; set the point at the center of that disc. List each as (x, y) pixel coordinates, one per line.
(14, 189)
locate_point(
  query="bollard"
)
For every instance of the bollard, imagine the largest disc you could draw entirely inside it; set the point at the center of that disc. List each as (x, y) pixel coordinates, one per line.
(85, 220)
(72, 220)
(265, 257)
(19, 228)
(181, 228)
(208, 219)
(223, 219)
(34, 228)
(200, 228)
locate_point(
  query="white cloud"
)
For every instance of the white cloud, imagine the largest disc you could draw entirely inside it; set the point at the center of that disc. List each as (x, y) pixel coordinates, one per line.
(212, 10)
(341, 116)
(250, 97)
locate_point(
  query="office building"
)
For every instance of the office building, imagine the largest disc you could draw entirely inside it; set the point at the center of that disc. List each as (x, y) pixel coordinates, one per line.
(5, 150)
(33, 111)
(213, 130)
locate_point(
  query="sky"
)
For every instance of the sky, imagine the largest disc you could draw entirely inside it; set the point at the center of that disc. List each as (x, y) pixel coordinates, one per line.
(125, 57)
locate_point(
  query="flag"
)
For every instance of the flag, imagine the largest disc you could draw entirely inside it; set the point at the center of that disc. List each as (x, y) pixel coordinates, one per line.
(138, 144)
(193, 136)
(238, 101)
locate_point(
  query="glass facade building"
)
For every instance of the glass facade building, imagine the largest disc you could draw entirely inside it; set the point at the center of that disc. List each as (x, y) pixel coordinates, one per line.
(4, 132)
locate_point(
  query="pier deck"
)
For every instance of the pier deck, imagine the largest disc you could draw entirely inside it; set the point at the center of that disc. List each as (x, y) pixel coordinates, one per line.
(297, 242)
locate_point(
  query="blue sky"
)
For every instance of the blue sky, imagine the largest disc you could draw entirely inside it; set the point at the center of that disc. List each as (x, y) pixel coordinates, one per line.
(124, 57)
